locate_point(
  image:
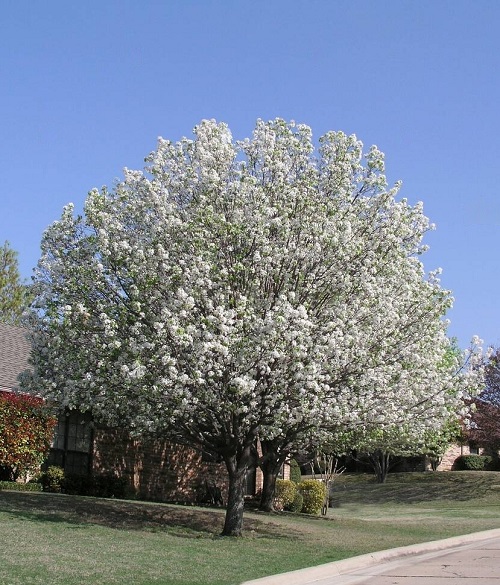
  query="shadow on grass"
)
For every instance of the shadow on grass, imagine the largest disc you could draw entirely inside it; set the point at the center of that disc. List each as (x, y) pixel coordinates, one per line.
(421, 489)
(125, 515)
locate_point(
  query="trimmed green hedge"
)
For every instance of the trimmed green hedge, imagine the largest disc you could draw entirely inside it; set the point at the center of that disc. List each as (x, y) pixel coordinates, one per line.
(21, 487)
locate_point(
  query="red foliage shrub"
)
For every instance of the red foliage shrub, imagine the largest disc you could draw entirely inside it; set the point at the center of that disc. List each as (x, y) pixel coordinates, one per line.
(26, 432)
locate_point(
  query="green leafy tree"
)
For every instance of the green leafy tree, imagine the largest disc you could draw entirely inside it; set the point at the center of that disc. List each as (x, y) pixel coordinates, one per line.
(14, 295)
(436, 441)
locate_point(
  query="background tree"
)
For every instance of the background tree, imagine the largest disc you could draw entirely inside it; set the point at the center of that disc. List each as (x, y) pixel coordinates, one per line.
(491, 392)
(435, 442)
(483, 428)
(242, 291)
(381, 447)
(14, 295)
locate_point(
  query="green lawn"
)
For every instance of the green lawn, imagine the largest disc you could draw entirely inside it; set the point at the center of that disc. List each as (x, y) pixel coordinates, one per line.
(65, 540)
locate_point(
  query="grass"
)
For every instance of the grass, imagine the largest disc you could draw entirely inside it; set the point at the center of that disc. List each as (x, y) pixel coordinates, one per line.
(66, 540)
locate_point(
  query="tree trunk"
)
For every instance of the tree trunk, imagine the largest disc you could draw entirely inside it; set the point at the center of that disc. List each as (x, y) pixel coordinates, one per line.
(270, 471)
(271, 462)
(237, 468)
(381, 464)
(435, 462)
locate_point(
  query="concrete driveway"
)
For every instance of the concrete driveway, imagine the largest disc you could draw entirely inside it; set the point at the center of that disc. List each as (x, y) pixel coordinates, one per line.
(472, 559)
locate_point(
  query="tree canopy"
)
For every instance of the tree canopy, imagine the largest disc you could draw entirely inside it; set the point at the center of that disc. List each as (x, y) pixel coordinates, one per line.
(236, 291)
(14, 295)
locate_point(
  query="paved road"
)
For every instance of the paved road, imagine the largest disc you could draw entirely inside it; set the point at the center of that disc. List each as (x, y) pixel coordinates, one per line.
(474, 564)
(472, 559)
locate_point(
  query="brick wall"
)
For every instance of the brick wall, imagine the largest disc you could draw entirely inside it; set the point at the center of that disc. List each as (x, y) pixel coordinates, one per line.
(155, 469)
(160, 470)
(450, 456)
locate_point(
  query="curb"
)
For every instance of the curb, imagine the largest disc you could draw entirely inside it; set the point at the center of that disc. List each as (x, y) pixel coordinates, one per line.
(337, 568)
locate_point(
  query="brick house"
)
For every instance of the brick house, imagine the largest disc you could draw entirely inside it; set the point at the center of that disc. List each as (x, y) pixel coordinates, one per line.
(454, 452)
(154, 469)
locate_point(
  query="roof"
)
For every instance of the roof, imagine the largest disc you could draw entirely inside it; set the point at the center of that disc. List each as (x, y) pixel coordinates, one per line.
(14, 353)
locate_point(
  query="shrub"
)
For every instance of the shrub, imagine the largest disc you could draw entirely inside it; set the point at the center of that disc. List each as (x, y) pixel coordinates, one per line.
(472, 462)
(110, 486)
(21, 487)
(298, 502)
(284, 493)
(76, 484)
(26, 431)
(295, 474)
(314, 493)
(99, 486)
(488, 462)
(493, 464)
(52, 479)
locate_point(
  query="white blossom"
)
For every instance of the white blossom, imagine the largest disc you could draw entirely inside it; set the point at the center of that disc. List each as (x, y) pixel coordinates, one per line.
(236, 290)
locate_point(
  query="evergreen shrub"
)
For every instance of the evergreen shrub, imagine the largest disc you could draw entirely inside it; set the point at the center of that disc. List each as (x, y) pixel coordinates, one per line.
(284, 494)
(314, 493)
(295, 474)
(298, 502)
(52, 479)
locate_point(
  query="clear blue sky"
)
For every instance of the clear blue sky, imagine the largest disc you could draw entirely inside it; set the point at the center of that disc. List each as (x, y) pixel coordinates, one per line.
(87, 87)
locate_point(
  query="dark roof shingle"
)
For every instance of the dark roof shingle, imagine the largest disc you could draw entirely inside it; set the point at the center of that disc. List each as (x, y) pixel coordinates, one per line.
(14, 353)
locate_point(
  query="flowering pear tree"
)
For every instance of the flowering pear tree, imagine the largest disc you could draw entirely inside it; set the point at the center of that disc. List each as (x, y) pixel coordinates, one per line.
(241, 291)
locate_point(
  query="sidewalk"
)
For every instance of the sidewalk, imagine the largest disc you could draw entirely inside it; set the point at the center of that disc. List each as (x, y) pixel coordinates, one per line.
(472, 558)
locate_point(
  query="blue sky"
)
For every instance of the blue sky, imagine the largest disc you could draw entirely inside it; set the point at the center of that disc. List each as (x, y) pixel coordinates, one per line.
(87, 87)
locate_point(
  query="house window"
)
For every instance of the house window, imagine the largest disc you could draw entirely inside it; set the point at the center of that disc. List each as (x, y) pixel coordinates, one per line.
(72, 443)
(473, 449)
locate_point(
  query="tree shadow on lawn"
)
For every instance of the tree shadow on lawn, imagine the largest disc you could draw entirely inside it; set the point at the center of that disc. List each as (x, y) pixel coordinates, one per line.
(126, 515)
(411, 492)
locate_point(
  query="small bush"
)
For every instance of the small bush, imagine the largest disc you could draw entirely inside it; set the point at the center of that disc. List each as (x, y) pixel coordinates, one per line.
(295, 474)
(21, 487)
(52, 479)
(110, 486)
(493, 464)
(314, 493)
(472, 462)
(99, 486)
(76, 484)
(298, 502)
(488, 462)
(284, 494)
